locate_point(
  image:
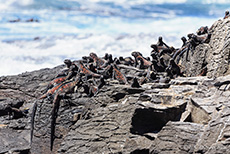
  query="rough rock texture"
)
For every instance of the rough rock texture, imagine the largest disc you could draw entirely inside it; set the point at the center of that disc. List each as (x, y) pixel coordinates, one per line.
(177, 137)
(197, 60)
(21, 92)
(214, 56)
(186, 115)
(219, 52)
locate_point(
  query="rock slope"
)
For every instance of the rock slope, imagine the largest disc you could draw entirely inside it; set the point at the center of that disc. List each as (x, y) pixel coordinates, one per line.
(185, 115)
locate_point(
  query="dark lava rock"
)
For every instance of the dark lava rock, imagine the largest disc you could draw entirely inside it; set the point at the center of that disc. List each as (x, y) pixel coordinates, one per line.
(185, 115)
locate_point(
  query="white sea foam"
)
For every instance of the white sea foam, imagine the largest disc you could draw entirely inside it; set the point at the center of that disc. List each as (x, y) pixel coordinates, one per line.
(71, 23)
(216, 1)
(24, 56)
(94, 27)
(20, 56)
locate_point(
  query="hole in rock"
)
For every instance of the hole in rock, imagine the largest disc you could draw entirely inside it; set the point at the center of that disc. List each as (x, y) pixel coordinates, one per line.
(153, 120)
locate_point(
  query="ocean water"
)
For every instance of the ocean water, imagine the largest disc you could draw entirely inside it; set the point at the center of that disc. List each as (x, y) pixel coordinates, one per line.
(73, 28)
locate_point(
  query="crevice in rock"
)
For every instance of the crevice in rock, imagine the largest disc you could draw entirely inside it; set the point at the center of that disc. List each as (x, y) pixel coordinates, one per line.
(153, 120)
(200, 152)
(204, 69)
(118, 96)
(189, 83)
(140, 151)
(134, 90)
(24, 152)
(126, 91)
(188, 118)
(151, 136)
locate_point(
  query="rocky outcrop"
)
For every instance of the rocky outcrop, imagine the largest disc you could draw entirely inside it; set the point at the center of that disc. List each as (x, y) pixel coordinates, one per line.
(219, 49)
(182, 115)
(212, 57)
(177, 137)
(197, 61)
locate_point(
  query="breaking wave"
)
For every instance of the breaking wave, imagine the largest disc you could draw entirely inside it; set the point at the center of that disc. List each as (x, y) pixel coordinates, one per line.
(35, 34)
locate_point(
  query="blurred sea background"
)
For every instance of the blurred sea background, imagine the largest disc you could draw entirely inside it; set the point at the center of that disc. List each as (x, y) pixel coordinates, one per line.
(37, 34)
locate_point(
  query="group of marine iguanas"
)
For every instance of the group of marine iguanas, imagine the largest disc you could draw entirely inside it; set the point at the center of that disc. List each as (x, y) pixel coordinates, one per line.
(91, 72)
